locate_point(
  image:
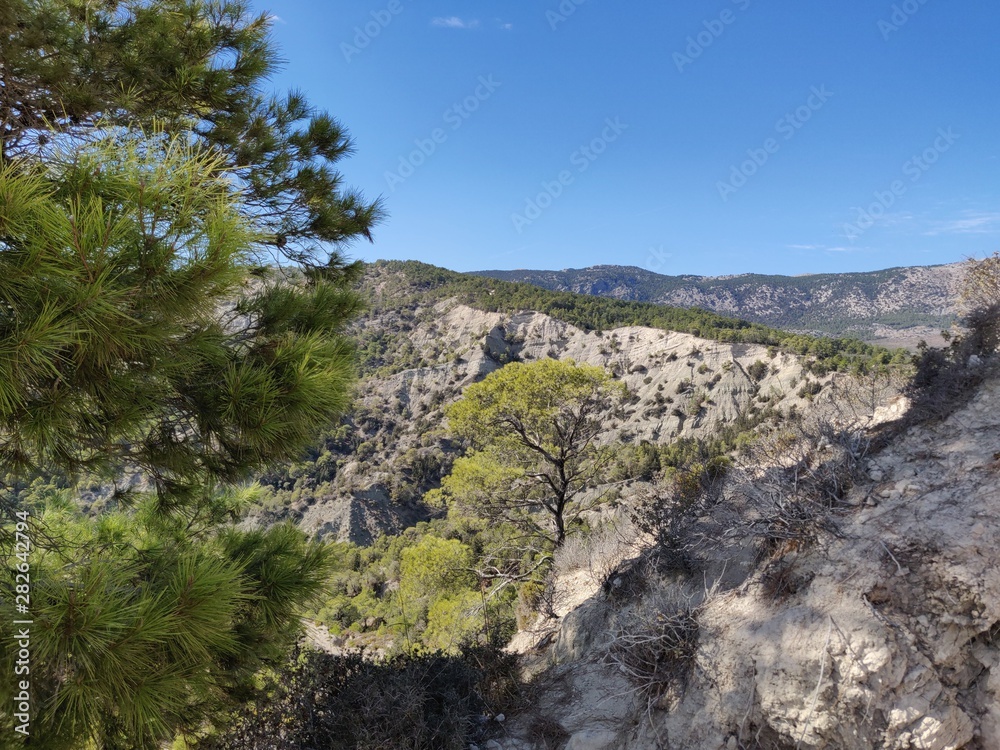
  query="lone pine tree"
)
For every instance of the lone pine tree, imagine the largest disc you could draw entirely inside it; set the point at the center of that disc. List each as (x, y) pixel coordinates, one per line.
(533, 430)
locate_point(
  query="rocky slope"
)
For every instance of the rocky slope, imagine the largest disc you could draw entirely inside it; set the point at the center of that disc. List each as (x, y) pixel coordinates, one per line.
(895, 304)
(884, 633)
(680, 385)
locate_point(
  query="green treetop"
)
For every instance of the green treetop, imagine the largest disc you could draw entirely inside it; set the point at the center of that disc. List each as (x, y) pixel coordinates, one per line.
(130, 333)
(533, 430)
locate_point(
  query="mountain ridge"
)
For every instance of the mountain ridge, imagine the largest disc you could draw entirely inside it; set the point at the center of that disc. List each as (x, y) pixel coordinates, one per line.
(899, 304)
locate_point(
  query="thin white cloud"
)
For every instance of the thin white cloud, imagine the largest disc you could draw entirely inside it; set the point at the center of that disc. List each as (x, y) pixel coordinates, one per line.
(970, 222)
(828, 248)
(454, 22)
(276, 18)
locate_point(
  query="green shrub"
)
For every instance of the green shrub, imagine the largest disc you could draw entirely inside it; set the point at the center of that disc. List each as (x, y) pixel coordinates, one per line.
(758, 370)
(809, 389)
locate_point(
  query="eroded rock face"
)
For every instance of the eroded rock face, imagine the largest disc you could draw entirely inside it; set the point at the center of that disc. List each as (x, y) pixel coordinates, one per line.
(681, 386)
(893, 642)
(360, 517)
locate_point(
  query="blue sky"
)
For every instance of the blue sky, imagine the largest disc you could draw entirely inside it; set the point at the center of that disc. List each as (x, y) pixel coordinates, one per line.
(712, 138)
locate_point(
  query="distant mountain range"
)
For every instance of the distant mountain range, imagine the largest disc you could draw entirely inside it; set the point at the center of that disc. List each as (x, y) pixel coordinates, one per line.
(896, 305)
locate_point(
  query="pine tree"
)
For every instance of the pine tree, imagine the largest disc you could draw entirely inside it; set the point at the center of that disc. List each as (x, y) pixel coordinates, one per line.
(534, 431)
(70, 69)
(132, 335)
(134, 338)
(139, 338)
(145, 625)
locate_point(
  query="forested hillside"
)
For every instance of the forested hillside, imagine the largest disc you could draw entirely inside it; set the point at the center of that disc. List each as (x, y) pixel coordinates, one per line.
(428, 333)
(858, 304)
(407, 282)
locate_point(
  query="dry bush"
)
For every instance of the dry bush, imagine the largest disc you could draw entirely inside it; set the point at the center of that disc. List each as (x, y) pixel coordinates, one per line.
(631, 578)
(947, 378)
(779, 581)
(599, 553)
(794, 477)
(499, 683)
(664, 513)
(854, 399)
(547, 733)
(980, 289)
(670, 512)
(654, 645)
(764, 738)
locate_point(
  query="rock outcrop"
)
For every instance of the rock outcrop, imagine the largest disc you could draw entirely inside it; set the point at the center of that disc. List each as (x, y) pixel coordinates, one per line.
(889, 640)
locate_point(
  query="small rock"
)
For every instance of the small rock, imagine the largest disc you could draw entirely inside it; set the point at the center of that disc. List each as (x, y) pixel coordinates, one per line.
(591, 739)
(876, 474)
(493, 745)
(500, 718)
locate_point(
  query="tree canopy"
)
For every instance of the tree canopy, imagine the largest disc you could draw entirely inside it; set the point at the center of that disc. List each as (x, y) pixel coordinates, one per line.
(144, 173)
(135, 342)
(70, 69)
(130, 334)
(533, 431)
